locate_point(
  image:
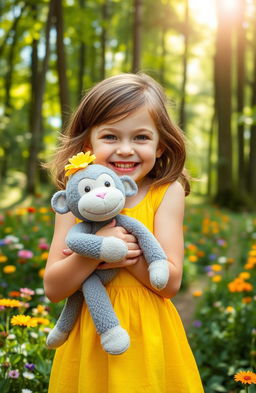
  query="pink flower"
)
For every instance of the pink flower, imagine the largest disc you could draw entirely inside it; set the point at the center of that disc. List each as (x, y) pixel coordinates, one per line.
(27, 291)
(43, 246)
(14, 374)
(26, 254)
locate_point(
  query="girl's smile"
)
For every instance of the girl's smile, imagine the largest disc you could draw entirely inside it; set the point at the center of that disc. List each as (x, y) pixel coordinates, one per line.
(128, 146)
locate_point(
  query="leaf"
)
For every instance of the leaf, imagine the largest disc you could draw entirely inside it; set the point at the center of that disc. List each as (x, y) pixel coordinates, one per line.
(5, 386)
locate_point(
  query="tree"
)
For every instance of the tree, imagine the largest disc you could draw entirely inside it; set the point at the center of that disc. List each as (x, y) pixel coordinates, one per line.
(137, 35)
(223, 103)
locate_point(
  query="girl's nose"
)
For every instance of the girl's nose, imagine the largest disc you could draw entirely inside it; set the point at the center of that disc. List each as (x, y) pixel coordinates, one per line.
(101, 195)
(125, 149)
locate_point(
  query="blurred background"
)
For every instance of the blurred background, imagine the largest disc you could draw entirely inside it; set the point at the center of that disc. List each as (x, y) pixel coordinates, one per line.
(202, 52)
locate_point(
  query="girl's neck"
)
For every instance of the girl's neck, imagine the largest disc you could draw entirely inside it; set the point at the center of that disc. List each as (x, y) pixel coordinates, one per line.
(143, 187)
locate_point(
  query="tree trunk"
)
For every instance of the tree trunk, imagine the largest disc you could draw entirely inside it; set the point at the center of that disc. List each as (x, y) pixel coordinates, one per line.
(103, 39)
(137, 35)
(61, 63)
(252, 153)
(81, 61)
(182, 121)
(223, 105)
(240, 58)
(37, 95)
(209, 157)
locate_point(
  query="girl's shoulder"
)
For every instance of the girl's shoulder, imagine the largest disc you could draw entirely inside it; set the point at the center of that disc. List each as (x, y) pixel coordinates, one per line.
(171, 197)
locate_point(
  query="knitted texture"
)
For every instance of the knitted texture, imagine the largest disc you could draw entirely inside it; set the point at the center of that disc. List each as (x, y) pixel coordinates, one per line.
(99, 304)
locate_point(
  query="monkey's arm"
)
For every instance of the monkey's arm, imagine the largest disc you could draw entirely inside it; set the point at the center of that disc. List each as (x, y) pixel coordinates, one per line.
(80, 240)
(151, 248)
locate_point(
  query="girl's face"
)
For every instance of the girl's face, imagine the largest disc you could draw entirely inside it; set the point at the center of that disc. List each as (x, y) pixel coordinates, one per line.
(128, 146)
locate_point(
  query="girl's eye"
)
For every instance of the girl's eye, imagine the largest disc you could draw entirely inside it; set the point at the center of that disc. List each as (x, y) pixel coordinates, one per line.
(107, 184)
(87, 189)
(142, 137)
(109, 137)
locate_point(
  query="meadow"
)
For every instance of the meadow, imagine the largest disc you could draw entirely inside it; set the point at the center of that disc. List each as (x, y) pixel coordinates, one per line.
(220, 255)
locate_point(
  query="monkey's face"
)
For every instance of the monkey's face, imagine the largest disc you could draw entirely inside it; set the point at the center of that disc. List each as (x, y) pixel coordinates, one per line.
(99, 198)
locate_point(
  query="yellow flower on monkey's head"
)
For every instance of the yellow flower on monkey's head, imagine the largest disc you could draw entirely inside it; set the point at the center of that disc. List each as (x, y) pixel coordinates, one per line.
(80, 161)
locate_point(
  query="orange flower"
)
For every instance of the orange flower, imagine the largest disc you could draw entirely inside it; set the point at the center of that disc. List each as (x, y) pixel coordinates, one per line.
(246, 377)
(197, 293)
(193, 258)
(9, 269)
(247, 300)
(216, 278)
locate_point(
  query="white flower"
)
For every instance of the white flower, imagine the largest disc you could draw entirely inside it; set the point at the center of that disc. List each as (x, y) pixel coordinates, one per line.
(39, 291)
(222, 260)
(34, 335)
(11, 239)
(28, 375)
(11, 337)
(26, 391)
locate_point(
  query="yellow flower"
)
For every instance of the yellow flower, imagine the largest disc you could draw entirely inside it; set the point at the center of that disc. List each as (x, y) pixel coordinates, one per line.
(41, 321)
(8, 230)
(35, 228)
(230, 309)
(23, 320)
(8, 269)
(41, 273)
(244, 275)
(246, 377)
(197, 293)
(3, 258)
(252, 253)
(10, 303)
(216, 278)
(44, 255)
(43, 210)
(80, 161)
(193, 258)
(216, 268)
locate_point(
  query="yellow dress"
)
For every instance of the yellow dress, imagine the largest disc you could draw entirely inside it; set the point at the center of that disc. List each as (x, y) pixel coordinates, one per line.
(159, 359)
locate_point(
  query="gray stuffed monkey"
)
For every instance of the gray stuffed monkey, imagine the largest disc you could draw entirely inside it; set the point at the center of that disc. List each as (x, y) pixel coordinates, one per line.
(96, 195)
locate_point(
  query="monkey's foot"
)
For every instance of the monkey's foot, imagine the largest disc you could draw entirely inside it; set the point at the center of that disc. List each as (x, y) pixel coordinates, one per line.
(56, 338)
(159, 274)
(115, 340)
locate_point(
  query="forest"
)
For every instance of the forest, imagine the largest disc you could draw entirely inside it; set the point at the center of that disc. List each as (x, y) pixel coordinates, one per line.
(203, 53)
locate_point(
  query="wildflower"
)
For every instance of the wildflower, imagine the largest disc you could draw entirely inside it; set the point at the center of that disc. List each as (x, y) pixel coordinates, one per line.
(44, 256)
(11, 337)
(10, 303)
(26, 391)
(41, 321)
(41, 273)
(230, 309)
(10, 239)
(26, 254)
(222, 260)
(43, 210)
(23, 320)
(9, 269)
(197, 293)
(197, 323)
(216, 278)
(28, 375)
(193, 258)
(14, 294)
(3, 258)
(246, 377)
(27, 291)
(216, 268)
(14, 374)
(30, 366)
(31, 209)
(247, 300)
(244, 275)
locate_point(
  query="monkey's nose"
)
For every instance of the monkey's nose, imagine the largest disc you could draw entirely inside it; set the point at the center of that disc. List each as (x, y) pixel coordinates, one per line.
(101, 195)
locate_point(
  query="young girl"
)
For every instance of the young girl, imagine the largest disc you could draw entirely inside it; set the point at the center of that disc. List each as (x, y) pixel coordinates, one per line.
(124, 122)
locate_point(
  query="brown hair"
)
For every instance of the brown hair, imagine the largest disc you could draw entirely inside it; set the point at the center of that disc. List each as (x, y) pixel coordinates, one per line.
(114, 98)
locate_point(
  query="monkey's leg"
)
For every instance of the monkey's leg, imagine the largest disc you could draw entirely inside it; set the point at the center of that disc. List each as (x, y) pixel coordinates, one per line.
(114, 339)
(59, 334)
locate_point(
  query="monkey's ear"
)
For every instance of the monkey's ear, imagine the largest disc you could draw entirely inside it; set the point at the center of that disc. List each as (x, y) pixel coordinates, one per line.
(129, 185)
(59, 202)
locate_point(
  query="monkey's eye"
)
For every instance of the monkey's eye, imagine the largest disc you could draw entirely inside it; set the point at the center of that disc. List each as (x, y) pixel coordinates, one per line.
(107, 184)
(87, 189)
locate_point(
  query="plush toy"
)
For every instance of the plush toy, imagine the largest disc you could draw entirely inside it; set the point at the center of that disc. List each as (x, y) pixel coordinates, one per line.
(96, 195)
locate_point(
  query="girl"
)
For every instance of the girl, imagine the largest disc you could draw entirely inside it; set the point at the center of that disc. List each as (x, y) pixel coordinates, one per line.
(124, 122)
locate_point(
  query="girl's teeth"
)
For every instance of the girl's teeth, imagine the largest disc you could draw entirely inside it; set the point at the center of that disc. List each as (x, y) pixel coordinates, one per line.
(123, 165)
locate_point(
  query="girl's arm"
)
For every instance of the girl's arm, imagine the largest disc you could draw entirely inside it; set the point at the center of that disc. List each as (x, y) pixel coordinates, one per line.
(168, 230)
(64, 275)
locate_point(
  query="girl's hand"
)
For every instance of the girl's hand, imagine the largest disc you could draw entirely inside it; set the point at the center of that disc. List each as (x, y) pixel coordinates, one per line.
(133, 248)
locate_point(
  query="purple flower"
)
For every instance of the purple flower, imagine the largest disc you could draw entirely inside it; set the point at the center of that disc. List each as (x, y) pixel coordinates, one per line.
(14, 374)
(221, 242)
(208, 269)
(30, 366)
(26, 254)
(212, 257)
(197, 323)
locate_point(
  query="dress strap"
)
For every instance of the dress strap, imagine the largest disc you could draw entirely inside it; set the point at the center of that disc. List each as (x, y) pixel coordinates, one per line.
(157, 194)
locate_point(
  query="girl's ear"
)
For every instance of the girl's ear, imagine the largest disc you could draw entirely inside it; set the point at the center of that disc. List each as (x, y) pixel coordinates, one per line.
(159, 151)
